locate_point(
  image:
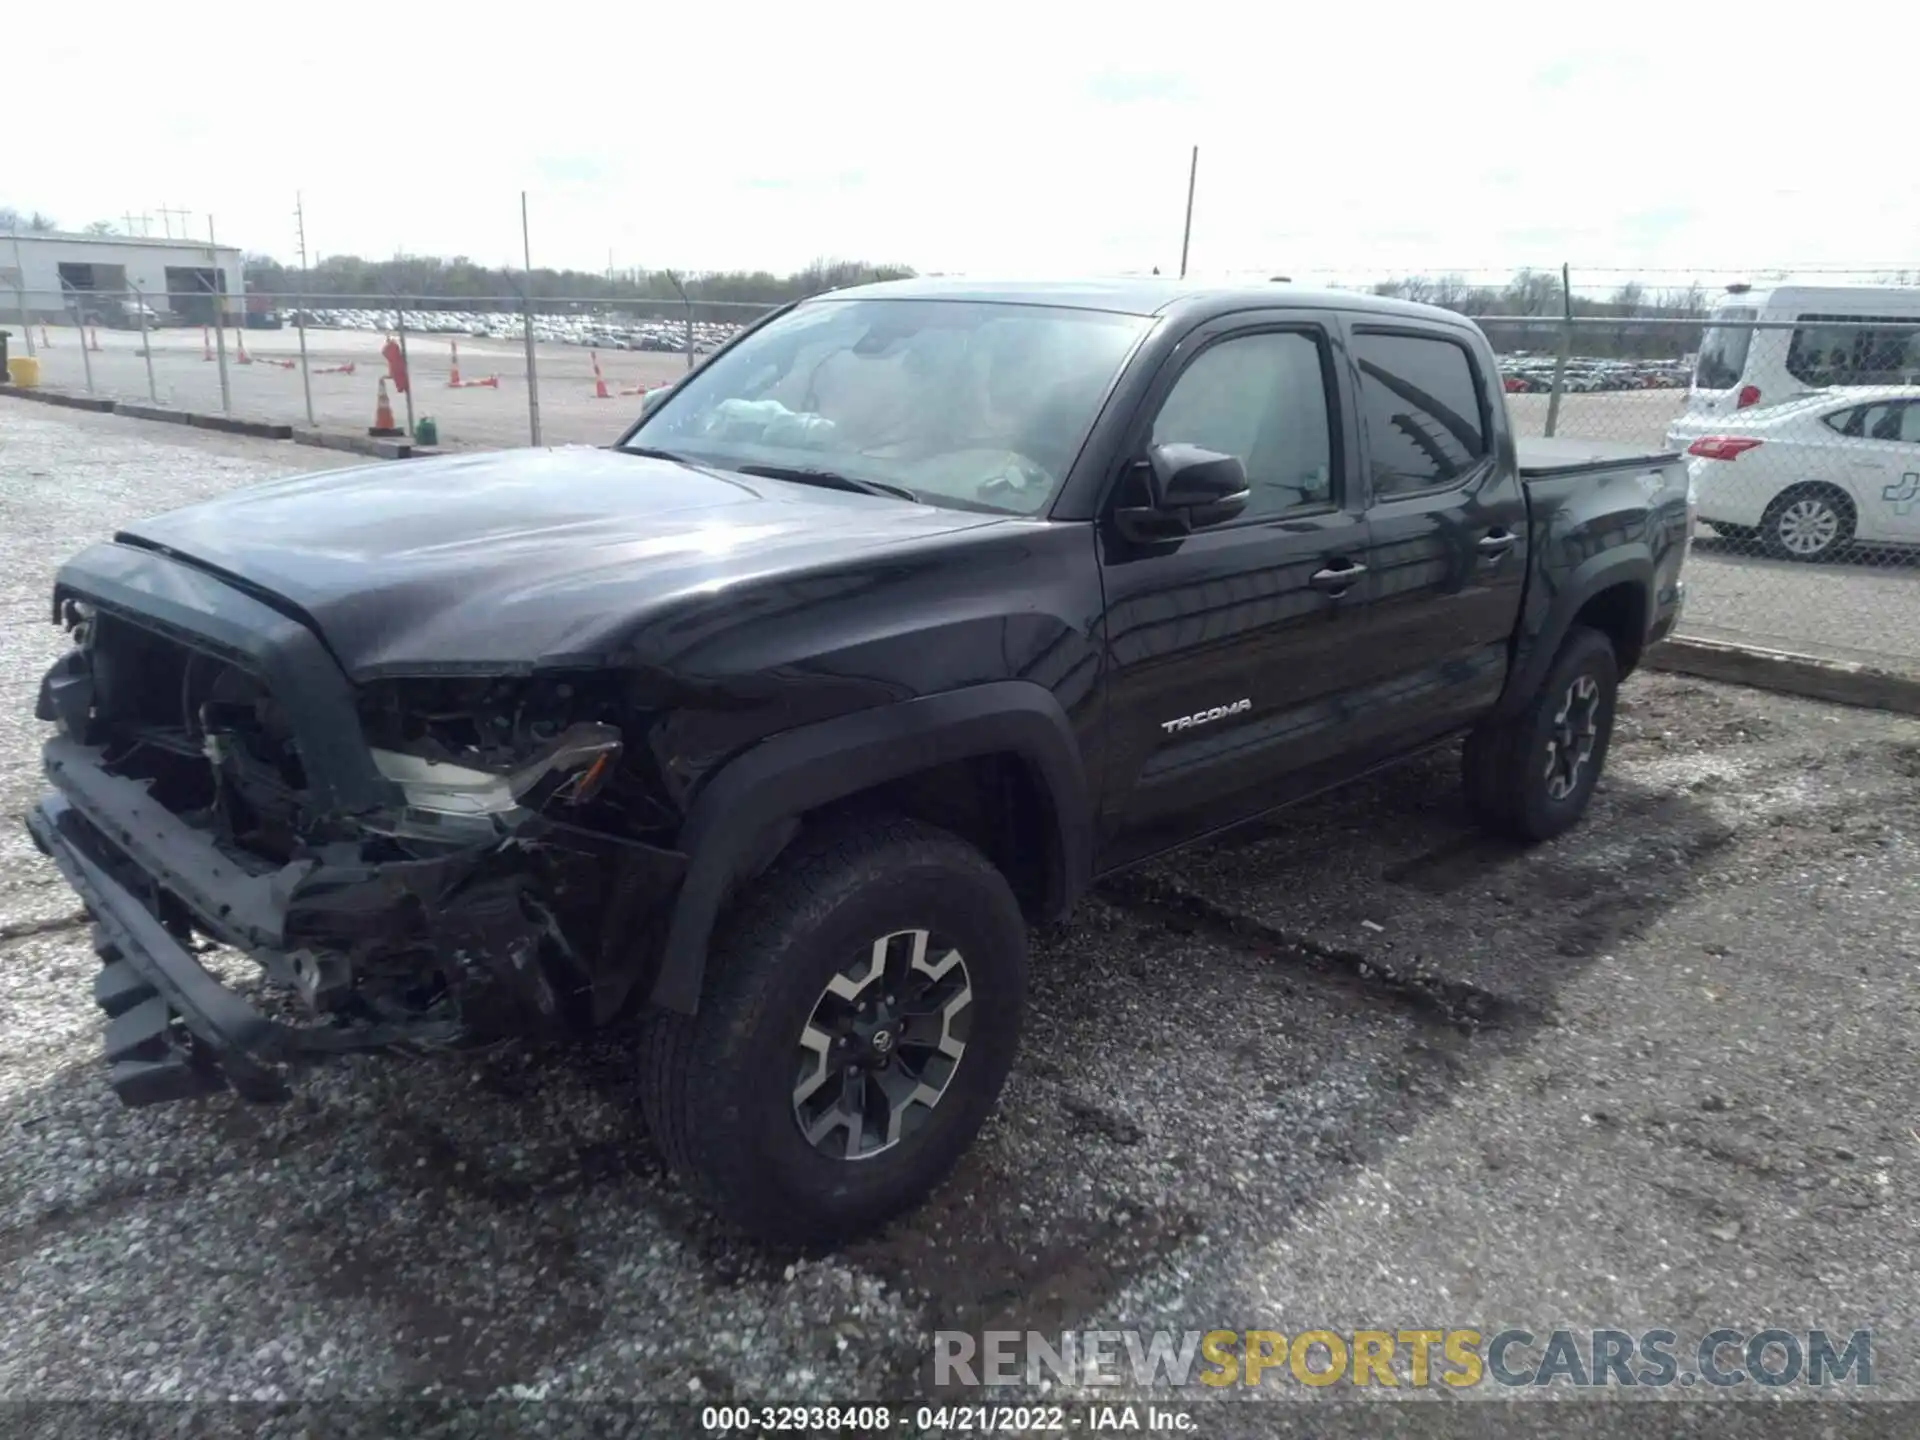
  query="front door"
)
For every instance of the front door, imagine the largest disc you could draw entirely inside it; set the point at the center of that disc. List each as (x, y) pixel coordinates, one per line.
(1228, 651)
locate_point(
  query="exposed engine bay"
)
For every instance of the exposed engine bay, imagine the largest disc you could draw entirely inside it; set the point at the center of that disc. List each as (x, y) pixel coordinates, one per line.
(504, 888)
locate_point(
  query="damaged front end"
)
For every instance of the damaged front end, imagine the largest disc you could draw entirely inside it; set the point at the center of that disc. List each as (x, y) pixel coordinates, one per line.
(414, 862)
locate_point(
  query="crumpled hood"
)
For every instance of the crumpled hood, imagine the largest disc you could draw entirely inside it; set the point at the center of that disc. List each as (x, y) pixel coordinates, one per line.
(521, 557)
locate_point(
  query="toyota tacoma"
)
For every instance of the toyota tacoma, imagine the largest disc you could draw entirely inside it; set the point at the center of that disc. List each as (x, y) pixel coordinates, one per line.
(768, 730)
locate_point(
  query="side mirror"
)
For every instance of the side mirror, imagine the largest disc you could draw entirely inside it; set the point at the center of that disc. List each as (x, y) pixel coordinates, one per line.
(1185, 489)
(654, 399)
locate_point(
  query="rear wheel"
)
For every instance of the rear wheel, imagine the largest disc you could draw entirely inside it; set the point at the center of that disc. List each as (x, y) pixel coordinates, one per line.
(1808, 522)
(1531, 777)
(860, 1014)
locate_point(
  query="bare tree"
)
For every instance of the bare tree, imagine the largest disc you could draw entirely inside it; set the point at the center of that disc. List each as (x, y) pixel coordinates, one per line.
(39, 224)
(102, 227)
(1452, 291)
(1533, 292)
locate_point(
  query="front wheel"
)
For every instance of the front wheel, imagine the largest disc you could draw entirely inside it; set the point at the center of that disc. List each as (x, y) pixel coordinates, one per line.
(859, 1017)
(1531, 777)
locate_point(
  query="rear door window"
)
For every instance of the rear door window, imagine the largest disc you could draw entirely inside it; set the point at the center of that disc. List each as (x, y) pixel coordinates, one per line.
(1723, 350)
(1421, 404)
(1880, 422)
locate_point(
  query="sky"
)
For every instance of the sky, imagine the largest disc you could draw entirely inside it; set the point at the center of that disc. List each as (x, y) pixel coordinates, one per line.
(986, 138)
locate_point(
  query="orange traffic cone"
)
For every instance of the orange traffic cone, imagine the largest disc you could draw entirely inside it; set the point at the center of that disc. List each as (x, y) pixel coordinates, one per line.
(93, 339)
(43, 338)
(453, 376)
(240, 339)
(206, 342)
(383, 415)
(600, 391)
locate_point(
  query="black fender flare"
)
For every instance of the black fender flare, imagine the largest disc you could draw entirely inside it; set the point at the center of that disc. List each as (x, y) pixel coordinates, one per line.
(1592, 576)
(801, 769)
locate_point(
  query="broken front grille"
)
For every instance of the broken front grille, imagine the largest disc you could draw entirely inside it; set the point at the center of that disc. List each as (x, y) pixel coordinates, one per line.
(207, 734)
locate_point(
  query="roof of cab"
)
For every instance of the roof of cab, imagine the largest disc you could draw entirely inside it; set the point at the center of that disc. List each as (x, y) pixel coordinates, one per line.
(1143, 296)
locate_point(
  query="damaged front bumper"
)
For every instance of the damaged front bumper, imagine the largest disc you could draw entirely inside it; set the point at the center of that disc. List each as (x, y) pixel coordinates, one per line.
(490, 954)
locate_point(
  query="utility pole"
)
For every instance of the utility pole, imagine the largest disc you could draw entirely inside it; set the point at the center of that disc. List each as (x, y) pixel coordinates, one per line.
(219, 317)
(20, 290)
(1186, 234)
(526, 300)
(165, 212)
(300, 300)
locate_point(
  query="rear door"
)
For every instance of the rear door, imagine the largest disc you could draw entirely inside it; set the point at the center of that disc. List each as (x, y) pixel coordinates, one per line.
(1230, 651)
(1448, 525)
(1883, 470)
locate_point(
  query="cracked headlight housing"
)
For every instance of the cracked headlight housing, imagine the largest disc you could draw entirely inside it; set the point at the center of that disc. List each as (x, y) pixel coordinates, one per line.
(570, 769)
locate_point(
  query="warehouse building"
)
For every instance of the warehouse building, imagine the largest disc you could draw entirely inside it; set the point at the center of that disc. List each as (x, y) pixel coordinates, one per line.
(101, 279)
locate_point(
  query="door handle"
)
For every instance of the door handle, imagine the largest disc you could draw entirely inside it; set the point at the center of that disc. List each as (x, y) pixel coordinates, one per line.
(1496, 544)
(1337, 579)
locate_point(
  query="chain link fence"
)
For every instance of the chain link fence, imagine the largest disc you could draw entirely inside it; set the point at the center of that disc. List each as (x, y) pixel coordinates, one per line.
(487, 371)
(1802, 436)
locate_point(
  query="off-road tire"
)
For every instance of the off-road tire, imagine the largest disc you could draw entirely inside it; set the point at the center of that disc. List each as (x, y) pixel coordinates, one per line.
(719, 1085)
(1505, 762)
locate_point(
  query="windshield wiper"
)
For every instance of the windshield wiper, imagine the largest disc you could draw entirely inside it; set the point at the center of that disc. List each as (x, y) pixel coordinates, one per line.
(832, 479)
(652, 452)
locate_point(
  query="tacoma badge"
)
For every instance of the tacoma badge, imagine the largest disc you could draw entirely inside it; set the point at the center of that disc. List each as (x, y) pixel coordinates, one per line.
(1204, 717)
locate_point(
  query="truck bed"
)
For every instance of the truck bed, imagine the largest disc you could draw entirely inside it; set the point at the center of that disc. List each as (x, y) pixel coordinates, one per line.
(1544, 459)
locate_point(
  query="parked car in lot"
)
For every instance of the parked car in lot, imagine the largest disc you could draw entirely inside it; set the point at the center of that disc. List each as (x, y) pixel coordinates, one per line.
(1810, 476)
(879, 636)
(1534, 374)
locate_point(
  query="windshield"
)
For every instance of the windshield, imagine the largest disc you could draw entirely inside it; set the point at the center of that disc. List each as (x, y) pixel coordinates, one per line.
(974, 404)
(1723, 351)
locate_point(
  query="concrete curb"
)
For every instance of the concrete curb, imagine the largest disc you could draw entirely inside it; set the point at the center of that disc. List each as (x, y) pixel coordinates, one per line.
(57, 397)
(260, 429)
(153, 412)
(358, 444)
(1789, 674)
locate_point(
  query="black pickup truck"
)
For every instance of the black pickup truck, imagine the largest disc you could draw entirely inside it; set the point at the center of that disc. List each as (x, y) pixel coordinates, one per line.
(771, 727)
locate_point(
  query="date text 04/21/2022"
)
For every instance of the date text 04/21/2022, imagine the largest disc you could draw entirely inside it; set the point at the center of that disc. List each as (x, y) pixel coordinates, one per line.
(946, 1419)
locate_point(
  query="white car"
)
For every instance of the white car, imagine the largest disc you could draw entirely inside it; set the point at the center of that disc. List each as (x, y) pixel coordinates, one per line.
(1812, 475)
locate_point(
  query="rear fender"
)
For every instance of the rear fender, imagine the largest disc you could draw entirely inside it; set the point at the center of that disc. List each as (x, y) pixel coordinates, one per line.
(1555, 599)
(748, 807)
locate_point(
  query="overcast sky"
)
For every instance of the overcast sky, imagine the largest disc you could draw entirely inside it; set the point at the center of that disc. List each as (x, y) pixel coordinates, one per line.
(1017, 139)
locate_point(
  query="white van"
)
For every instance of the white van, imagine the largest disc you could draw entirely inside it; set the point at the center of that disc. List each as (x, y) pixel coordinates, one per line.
(1827, 336)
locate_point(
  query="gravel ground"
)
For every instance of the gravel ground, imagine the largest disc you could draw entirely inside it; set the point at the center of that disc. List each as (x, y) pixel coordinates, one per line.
(1358, 1068)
